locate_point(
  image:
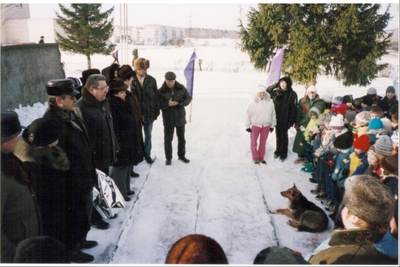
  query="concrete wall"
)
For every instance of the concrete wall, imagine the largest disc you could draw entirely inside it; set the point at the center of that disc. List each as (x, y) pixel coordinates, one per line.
(25, 70)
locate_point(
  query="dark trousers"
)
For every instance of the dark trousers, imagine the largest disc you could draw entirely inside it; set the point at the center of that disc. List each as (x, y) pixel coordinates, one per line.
(169, 136)
(282, 142)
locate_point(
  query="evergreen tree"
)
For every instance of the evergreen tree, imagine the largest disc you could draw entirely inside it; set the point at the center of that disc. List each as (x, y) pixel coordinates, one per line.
(87, 29)
(342, 40)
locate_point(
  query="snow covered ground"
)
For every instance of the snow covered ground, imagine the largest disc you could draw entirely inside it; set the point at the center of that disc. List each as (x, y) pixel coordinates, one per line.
(221, 193)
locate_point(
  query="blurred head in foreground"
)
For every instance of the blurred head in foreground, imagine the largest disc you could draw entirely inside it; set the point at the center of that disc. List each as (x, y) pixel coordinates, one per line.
(196, 249)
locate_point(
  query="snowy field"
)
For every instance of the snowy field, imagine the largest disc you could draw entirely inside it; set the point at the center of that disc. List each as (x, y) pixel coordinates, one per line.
(221, 193)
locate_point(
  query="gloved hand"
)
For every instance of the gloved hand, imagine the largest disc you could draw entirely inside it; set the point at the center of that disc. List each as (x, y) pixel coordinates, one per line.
(271, 130)
(249, 130)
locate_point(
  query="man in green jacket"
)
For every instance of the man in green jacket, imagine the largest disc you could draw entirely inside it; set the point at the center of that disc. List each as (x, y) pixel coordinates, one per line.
(20, 215)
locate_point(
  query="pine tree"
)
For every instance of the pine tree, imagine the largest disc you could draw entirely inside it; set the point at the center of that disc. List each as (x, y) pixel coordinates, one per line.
(87, 30)
(342, 40)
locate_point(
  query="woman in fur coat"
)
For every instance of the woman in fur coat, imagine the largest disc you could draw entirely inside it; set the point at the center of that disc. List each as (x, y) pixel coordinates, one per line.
(127, 130)
(262, 119)
(38, 149)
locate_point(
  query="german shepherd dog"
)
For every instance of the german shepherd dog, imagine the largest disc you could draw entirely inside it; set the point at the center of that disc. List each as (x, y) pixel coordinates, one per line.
(305, 215)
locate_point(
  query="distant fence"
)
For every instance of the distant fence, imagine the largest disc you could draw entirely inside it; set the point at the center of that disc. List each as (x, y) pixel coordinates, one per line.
(25, 70)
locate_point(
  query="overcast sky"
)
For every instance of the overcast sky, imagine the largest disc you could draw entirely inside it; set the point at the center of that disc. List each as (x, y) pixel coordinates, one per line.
(208, 15)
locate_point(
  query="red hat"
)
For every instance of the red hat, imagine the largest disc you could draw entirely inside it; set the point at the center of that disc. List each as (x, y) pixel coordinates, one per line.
(340, 109)
(362, 143)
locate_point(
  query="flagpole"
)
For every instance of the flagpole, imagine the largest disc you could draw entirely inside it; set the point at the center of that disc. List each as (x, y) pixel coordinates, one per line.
(190, 114)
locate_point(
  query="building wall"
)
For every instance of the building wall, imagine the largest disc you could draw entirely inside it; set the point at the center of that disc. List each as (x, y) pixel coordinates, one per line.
(17, 31)
(15, 11)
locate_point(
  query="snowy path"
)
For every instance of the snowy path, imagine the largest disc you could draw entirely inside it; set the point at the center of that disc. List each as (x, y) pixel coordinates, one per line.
(207, 197)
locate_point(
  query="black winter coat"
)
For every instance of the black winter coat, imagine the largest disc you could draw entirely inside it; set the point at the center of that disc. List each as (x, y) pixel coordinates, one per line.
(147, 95)
(49, 166)
(81, 177)
(98, 120)
(128, 130)
(174, 116)
(285, 104)
(386, 104)
(75, 142)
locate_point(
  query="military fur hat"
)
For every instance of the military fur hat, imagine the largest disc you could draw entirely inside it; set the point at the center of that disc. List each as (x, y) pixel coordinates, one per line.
(369, 199)
(141, 64)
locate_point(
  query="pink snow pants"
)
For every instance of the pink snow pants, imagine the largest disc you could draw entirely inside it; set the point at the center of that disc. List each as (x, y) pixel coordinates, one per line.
(258, 153)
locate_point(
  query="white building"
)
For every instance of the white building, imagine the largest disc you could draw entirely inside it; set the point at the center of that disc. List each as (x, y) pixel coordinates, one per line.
(150, 34)
(17, 27)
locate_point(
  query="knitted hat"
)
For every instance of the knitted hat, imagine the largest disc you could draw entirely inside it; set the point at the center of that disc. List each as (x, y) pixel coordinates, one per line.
(390, 89)
(347, 99)
(344, 141)
(350, 115)
(390, 164)
(315, 110)
(125, 72)
(116, 85)
(369, 199)
(42, 249)
(371, 91)
(363, 118)
(141, 64)
(311, 88)
(367, 100)
(42, 132)
(384, 145)
(170, 76)
(10, 126)
(261, 88)
(357, 103)
(321, 120)
(362, 143)
(337, 100)
(279, 255)
(337, 122)
(375, 124)
(196, 249)
(387, 124)
(340, 109)
(327, 97)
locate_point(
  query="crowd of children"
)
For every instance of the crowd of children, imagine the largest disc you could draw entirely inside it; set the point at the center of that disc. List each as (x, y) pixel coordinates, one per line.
(352, 137)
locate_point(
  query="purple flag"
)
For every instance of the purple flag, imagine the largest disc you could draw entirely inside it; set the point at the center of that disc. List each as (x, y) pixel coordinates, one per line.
(276, 68)
(189, 74)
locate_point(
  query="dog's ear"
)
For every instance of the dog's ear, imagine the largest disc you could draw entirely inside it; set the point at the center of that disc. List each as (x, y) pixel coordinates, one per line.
(294, 185)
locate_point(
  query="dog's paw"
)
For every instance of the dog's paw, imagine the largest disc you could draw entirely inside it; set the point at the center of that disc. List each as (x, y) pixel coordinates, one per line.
(273, 212)
(289, 222)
